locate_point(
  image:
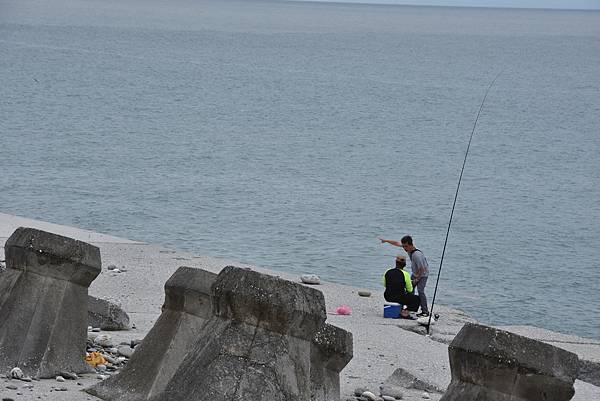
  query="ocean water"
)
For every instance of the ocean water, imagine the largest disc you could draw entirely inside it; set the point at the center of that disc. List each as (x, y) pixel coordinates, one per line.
(291, 135)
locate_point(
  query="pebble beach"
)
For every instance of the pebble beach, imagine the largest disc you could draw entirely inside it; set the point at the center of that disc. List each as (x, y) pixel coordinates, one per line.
(393, 353)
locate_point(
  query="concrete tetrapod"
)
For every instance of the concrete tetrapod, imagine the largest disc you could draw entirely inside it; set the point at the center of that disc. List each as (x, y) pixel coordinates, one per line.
(186, 310)
(330, 353)
(43, 303)
(259, 344)
(494, 365)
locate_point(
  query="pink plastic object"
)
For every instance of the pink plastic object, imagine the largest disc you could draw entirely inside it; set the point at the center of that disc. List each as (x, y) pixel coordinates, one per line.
(343, 310)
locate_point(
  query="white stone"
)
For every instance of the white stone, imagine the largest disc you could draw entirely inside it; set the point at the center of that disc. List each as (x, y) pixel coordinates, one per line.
(310, 279)
(425, 394)
(60, 379)
(369, 395)
(16, 373)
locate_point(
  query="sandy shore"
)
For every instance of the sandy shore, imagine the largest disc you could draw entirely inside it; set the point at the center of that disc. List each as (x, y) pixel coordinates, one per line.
(383, 348)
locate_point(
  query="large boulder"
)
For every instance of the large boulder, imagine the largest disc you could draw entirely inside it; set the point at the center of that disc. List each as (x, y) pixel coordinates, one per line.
(106, 315)
(494, 365)
(43, 302)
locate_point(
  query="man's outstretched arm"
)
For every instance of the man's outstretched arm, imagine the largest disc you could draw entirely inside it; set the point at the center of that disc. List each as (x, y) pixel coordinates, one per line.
(390, 241)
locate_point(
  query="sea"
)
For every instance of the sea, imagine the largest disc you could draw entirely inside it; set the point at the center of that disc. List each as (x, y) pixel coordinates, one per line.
(291, 135)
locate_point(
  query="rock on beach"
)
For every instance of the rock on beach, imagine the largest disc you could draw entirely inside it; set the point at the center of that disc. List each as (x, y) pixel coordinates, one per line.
(312, 279)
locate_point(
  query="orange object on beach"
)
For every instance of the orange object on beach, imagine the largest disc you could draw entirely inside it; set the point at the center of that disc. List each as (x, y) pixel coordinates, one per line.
(95, 359)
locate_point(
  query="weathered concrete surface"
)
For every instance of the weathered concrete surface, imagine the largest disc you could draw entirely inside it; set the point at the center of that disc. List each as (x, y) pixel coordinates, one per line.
(495, 365)
(588, 350)
(260, 342)
(331, 351)
(106, 315)
(43, 302)
(186, 309)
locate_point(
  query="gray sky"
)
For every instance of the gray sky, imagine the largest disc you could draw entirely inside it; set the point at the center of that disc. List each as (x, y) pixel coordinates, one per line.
(562, 4)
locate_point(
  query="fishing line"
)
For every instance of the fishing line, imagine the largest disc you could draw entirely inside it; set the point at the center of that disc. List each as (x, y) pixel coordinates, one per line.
(456, 197)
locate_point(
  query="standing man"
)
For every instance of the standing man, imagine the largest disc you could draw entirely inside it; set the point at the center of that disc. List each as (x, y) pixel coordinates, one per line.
(419, 267)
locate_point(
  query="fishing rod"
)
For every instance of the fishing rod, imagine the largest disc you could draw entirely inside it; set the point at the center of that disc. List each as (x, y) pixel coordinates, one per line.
(456, 197)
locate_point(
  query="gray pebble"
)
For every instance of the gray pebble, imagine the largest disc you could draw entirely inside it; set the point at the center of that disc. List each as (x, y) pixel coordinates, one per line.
(126, 351)
(110, 359)
(364, 293)
(104, 340)
(359, 390)
(12, 387)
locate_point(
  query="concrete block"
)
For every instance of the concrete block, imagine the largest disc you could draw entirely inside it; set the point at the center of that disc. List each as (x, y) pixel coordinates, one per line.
(43, 303)
(331, 350)
(182, 322)
(495, 365)
(258, 342)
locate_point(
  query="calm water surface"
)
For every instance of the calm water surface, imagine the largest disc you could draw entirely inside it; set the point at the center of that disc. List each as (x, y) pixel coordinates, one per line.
(290, 135)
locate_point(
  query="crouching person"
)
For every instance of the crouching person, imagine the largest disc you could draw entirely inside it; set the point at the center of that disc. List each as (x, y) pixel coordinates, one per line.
(399, 288)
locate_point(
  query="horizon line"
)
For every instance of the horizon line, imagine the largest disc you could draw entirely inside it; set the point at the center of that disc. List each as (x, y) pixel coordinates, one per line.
(409, 4)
